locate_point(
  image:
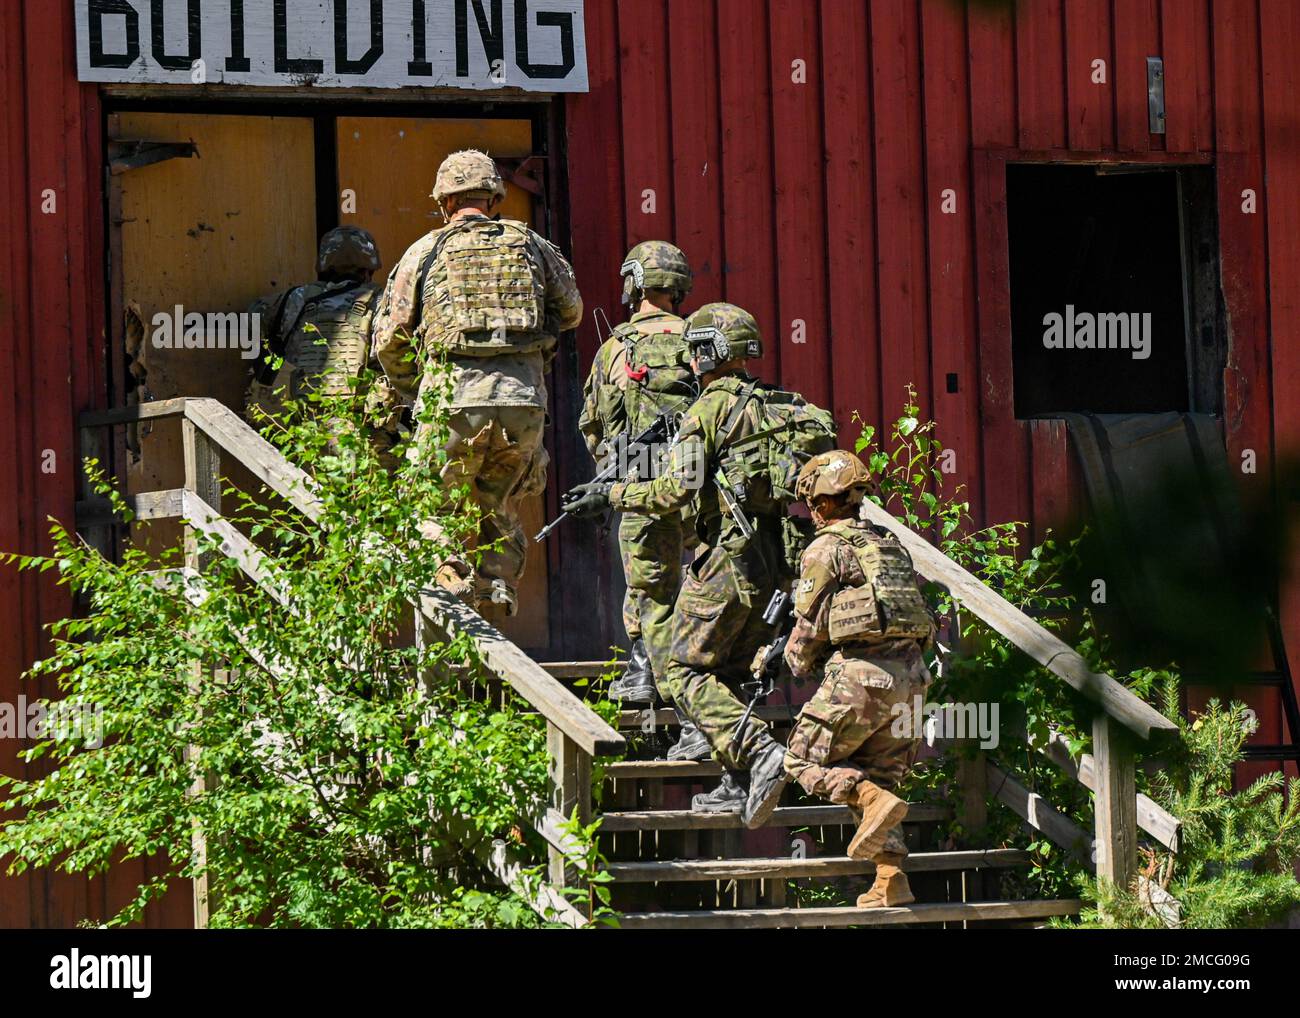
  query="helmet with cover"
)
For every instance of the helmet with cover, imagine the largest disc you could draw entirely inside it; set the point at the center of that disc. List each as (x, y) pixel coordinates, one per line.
(719, 333)
(835, 474)
(347, 252)
(468, 172)
(655, 265)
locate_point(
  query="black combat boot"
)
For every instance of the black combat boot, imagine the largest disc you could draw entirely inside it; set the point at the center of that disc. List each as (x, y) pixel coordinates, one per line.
(767, 780)
(728, 797)
(637, 683)
(691, 743)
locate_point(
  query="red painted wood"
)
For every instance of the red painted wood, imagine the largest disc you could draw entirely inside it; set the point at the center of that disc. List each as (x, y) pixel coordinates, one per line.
(800, 330)
(1040, 73)
(748, 223)
(950, 244)
(851, 231)
(1053, 505)
(1006, 447)
(1138, 39)
(1090, 106)
(1280, 36)
(991, 37)
(901, 206)
(645, 104)
(1188, 102)
(697, 146)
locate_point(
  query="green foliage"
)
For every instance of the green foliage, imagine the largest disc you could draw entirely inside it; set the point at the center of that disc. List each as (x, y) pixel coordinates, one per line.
(1235, 866)
(291, 721)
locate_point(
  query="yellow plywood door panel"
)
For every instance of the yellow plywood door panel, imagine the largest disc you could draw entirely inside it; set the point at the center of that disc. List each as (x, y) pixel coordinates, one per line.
(210, 234)
(388, 164)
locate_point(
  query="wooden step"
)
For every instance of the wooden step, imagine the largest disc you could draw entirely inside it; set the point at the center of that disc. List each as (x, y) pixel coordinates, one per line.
(787, 918)
(788, 816)
(678, 870)
(581, 669)
(625, 769)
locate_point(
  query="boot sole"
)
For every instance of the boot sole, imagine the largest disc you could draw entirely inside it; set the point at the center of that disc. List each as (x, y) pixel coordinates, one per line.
(895, 901)
(866, 843)
(764, 810)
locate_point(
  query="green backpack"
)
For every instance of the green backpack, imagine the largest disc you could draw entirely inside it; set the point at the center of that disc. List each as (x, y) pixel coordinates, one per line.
(659, 375)
(763, 467)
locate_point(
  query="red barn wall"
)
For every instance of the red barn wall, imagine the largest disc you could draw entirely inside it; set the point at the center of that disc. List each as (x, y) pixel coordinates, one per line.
(815, 201)
(818, 200)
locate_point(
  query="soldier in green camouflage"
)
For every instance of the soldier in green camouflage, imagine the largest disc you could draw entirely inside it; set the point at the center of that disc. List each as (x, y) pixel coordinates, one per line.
(488, 296)
(717, 622)
(641, 371)
(319, 330)
(861, 621)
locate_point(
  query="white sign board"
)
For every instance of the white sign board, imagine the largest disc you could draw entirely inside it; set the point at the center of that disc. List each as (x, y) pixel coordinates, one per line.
(535, 45)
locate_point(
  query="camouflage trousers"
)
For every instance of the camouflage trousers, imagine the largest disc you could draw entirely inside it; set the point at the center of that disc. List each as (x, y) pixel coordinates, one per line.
(497, 452)
(651, 549)
(859, 724)
(716, 626)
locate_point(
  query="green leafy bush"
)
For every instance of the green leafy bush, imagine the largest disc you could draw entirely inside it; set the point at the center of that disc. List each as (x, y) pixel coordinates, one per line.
(318, 750)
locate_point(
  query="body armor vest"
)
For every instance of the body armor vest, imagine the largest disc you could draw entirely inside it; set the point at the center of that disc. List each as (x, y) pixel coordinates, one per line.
(484, 290)
(328, 344)
(888, 605)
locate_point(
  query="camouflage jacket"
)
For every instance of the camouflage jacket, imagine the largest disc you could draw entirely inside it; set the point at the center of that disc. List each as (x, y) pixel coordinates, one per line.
(605, 406)
(828, 566)
(511, 379)
(688, 476)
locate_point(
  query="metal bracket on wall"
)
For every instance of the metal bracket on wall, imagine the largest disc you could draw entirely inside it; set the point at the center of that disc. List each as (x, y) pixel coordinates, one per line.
(1156, 95)
(131, 154)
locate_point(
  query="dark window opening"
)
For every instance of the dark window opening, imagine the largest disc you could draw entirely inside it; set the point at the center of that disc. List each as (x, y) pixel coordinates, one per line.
(1114, 289)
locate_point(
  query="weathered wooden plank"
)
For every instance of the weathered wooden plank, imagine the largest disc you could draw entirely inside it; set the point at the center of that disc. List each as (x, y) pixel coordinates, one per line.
(776, 918)
(625, 769)
(1049, 651)
(680, 870)
(1040, 814)
(547, 694)
(1116, 802)
(139, 412)
(147, 505)
(580, 669)
(786, 816)
(569, 777)
(1151, 816)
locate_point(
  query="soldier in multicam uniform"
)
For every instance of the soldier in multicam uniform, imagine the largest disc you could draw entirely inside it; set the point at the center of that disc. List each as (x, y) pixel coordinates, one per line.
(717, 621)
(490, 296)
(320, 330)
(640, 372)
(861, 620)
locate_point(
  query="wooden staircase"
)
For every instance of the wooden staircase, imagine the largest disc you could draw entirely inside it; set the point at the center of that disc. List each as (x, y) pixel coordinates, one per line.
(674, 868)
(671, 867)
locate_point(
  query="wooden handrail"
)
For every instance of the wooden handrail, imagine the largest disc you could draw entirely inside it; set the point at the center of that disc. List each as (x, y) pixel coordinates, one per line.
(1134, 713)
(233, 436)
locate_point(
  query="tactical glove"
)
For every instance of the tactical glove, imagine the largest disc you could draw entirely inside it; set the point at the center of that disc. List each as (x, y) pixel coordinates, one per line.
(587, 500)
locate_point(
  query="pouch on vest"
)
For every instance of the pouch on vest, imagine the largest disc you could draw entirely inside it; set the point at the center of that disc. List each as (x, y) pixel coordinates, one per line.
(889, 606)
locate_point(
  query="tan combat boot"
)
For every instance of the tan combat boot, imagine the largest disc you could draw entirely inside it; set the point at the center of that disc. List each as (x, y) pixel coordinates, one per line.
(456, 577)
(891, 888)
(881, 812)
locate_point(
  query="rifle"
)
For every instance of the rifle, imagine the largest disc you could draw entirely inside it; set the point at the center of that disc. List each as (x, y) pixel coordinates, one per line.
(664, 426)
(767, 662)
(731, 505)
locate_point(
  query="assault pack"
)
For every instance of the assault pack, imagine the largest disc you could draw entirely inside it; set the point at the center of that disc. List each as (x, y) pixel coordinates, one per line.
(659, 378)
(889, 605)
(488, 298)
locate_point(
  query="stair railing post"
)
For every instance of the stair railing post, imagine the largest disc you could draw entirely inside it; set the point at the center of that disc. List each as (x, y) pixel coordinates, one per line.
(570, 788)
(1116, 801)
(202, 476)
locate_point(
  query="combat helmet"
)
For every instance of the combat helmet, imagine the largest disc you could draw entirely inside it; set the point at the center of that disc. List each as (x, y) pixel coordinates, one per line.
(347, 251)
(835, 473)
(468, 172)
(655, 265)
(718, 333)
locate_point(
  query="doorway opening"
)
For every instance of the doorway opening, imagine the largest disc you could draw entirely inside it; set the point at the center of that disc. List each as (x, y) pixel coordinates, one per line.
(1114, 289)
(212, 206)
